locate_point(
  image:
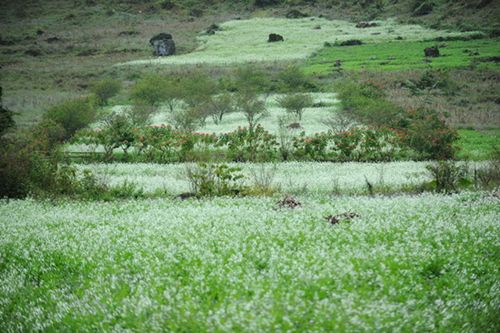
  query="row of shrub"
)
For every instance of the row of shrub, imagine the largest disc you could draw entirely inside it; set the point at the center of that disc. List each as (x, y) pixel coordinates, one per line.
(165, 144)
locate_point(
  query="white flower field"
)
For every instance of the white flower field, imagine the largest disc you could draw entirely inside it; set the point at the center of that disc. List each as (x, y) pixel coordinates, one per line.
(409, 263)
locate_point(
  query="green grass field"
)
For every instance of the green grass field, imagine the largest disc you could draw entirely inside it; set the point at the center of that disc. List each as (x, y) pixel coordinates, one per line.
(404, 55)
(478, 145)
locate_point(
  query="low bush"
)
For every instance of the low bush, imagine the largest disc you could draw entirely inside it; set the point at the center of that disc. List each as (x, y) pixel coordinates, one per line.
(252, 145)
(448, 176)
(105, 89)
(72, 115)
(214, 179)
(295, 104)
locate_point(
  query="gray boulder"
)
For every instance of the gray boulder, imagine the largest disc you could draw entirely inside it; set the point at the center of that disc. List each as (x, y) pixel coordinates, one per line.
(163, 44)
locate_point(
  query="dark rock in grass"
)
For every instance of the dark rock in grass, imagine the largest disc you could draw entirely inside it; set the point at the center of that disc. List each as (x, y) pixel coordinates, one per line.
(294, 13)
(344, 217)
(51, 40)
(212, 29)
(350, 42)
(289, 202)
(399, 38)
(163, 44)
(168, 5)
(294, 126)
(86, 53)
(33, 52)
(185, 196)
(275, 38)
(495, 59)
(196, 12)
(432, 52)
(128, 33)
(40, 32)
(363, 25)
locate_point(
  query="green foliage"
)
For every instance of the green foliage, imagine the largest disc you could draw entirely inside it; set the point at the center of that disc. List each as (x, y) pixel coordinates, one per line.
(6, 117)
(220, 105)
(153, 90)
(117, 132)
(356, 144)
(251, 79)
(214, 179)
(420, 129)
(293, 78)
(426, 132)
(366, 103)
(29, 168)
(488, 176)
(197, 89)
(448, 176)
(253, 108)
(432, 80)
(247, 144)
(189, 119)
(296, 103)
(105, 89)
(140, 114)
(72, 115)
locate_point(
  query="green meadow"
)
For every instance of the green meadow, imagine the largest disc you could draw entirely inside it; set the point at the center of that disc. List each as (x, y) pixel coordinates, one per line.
(405, 55)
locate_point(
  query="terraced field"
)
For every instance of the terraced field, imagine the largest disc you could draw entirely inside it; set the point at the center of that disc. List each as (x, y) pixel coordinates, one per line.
(243, 41)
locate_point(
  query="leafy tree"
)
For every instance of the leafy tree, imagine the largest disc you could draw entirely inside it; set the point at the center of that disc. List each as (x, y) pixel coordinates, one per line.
(253, 108)
(117, 132)
(154, 90)
(292, 78)
(218, 106)
(72, 115)
(197, 89)
(105, 89)
(188, 119)
(296, 103)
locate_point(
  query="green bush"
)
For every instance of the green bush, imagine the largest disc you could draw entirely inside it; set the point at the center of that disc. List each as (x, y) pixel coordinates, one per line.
(105, 89)
(448, 176)
(253, 108)
(292, 78)
(151, 90)
(421, 129)
(214, 179)
(72, 115)
(250, 145)
(117, 132)
(429, 135)
(295, 104)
